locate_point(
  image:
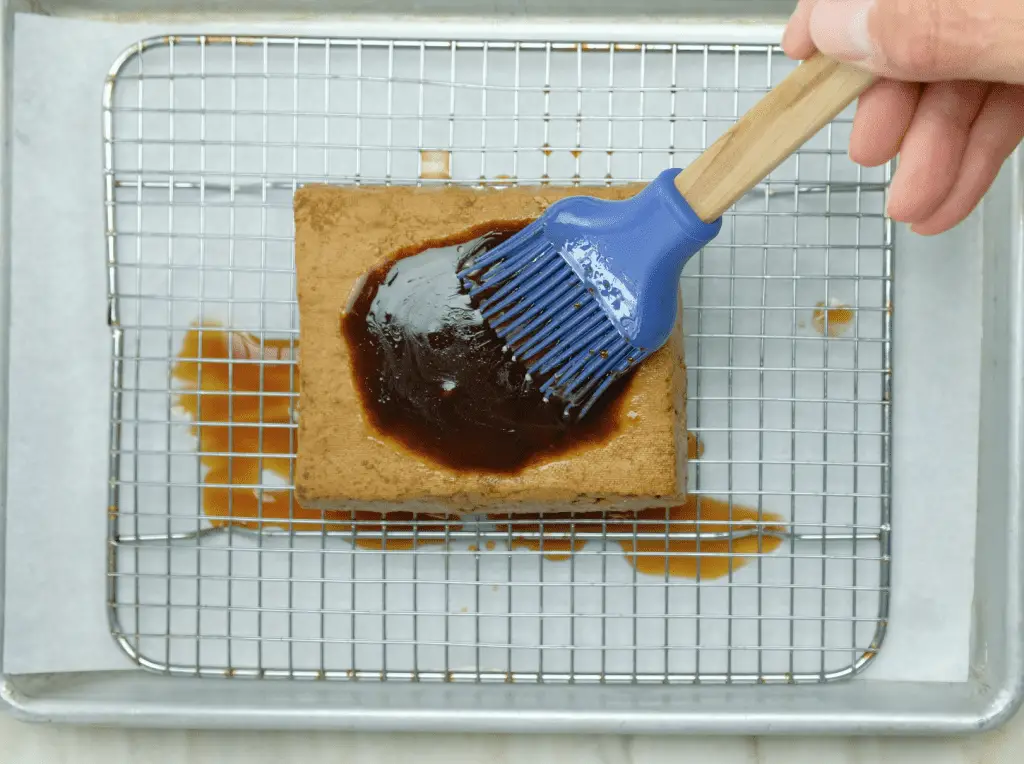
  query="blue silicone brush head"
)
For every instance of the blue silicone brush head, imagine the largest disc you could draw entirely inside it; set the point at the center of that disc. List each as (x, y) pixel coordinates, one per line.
(590, 289)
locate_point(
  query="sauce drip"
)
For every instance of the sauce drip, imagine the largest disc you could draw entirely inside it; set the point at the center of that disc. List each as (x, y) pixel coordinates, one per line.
(833, 320)
(435, 378)
(226, 395)
(230, 384)
(683, 558)
(435, 164)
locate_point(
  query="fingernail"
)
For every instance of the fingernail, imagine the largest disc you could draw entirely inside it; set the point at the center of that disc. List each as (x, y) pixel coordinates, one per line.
(839, 29)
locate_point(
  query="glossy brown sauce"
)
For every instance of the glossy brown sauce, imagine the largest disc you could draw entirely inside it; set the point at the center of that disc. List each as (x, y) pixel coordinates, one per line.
(434, 377)
(224, 393)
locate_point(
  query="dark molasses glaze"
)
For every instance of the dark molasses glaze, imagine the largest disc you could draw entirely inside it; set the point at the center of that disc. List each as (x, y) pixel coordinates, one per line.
(433, 376)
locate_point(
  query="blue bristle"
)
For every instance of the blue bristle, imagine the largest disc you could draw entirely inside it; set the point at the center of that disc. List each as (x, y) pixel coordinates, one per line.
(549, 309)
(585, 339)
(587, 376)
(589, 360)
(512, 246)
(496, 276)
(515, 259)
(558, 382)
(527, 270)
(605, 383)
(549, 305)
(512, 291)
(561, 327)
(544, 312)
(564, 287)
(558, 337)
(596, 367)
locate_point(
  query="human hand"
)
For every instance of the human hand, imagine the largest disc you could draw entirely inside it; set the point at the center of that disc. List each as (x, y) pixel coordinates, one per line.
(950, 100)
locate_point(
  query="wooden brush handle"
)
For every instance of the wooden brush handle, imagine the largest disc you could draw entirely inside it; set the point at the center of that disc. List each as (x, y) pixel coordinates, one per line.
(781, 122)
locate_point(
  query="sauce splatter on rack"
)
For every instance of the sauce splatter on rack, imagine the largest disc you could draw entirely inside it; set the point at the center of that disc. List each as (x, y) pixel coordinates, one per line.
(240, 392)
(832, 320)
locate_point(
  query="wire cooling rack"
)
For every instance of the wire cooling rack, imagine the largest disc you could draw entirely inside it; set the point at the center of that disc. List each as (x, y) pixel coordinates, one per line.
(788, 341)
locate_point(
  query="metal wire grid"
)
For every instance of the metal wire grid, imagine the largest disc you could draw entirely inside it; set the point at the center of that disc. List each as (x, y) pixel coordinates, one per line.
(206, 140)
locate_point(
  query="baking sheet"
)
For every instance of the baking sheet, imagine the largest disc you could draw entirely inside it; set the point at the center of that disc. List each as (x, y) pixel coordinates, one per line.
(55, 613)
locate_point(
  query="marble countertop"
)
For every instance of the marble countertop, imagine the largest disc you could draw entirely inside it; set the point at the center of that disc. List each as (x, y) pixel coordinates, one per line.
(28, 744)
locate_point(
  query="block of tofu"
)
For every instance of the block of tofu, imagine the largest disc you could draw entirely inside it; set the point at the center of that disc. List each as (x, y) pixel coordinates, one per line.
(343, 463)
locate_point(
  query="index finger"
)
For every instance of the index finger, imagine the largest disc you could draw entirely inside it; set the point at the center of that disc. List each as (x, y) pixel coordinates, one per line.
(796, 40)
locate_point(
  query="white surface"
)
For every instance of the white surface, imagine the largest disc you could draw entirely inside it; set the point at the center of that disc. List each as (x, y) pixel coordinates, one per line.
(56, 527)
(935, 425)
(27, 744)
(60, 357)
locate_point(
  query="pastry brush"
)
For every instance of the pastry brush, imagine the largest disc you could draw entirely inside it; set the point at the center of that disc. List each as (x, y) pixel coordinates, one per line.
(589, 290)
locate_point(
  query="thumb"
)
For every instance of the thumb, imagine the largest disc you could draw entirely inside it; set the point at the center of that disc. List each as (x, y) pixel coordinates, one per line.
(925, 40)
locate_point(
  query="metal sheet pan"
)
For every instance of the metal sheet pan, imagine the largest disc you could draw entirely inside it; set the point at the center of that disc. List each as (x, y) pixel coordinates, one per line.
(957, 710)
